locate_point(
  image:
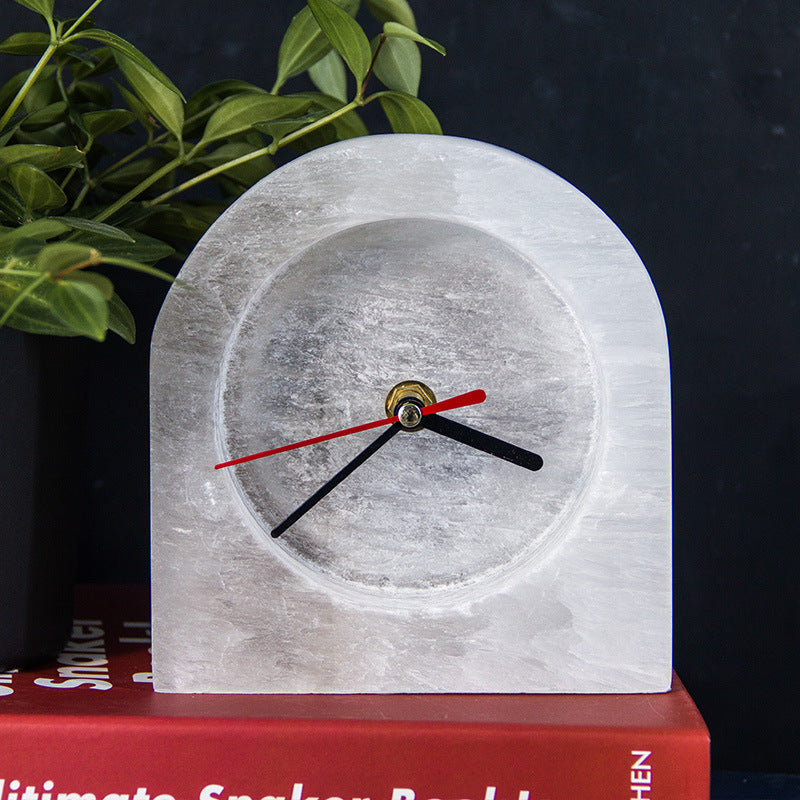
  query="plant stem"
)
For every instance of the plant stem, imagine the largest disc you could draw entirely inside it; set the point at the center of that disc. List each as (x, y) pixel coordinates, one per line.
(133, 154)
(112, 168)
(33, 76)
(312, 126)
(137, 190)
(69, 176)
(82, 17)
(208, 174)
(363, 88)
(51, 26)
(269, 150)
(42, 62)
(138, 267)
(81, 195)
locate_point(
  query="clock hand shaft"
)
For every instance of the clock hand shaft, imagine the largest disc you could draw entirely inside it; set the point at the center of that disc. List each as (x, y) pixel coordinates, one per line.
(336, 479)
(459, 401)
(482, 441)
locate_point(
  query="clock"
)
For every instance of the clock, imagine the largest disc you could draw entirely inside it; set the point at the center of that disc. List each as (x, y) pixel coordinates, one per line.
(410, 433)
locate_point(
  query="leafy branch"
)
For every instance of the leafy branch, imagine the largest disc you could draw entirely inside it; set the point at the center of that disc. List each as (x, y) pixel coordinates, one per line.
(72, 201)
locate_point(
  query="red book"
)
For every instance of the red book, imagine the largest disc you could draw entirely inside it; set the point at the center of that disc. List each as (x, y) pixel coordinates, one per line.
(89, 727)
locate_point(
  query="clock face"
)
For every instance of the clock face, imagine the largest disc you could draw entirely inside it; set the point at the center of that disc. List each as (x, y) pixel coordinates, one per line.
(318, 346)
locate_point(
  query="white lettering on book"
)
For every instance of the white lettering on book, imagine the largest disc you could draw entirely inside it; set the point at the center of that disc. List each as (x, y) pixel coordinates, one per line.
(83, 663)
(31, 793)
(140, 628)
(641, 775)
(410, 794)
(212, 791)
(6, 679)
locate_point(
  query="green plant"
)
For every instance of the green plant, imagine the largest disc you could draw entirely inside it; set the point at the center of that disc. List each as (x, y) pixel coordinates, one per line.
(99, 149)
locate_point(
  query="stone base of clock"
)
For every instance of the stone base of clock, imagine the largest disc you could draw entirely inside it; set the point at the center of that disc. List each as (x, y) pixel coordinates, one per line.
(434, 568)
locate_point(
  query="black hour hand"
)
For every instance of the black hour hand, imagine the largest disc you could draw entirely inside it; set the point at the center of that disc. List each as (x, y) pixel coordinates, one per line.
(336, 479)
(482, 441)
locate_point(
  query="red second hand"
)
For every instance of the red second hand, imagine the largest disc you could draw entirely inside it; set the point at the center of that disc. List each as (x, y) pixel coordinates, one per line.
(459, 401)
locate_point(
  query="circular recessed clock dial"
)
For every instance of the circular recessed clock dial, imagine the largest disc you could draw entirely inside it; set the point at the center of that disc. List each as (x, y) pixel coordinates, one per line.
(324, 339)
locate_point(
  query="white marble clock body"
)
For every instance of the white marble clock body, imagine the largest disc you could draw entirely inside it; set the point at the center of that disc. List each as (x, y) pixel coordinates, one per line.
(433, 568)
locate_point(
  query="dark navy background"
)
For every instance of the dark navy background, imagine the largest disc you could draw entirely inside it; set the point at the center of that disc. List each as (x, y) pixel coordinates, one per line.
(682, 121)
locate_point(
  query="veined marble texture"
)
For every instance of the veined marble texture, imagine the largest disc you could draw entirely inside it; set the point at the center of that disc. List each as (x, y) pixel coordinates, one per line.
(434, 567)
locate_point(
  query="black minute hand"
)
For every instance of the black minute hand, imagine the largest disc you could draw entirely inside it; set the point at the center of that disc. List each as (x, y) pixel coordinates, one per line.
(336, 479)
(482, 441)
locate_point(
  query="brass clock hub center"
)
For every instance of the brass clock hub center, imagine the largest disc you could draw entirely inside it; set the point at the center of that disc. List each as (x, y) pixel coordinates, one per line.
(405, 400)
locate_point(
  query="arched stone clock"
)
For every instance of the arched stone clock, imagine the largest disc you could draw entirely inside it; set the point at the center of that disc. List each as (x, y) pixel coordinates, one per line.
(517, 540)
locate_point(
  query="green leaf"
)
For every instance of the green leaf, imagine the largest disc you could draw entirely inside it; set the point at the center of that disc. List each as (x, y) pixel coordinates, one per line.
(345, 34)
(392, 10)
(45, 117)
(182, 221)
(304, 43)
(10, 88)
(120, 319)
(398, 65)
(278, 128)
(206, 100)
(130, 218)
(19, 252)
(37, 305)
(36, 188)
(144, 248)
(90, 226)
(11, 205)
(82, 308)
(41, 229)
(212, 93)
(44, 156)
(56, 136)
(348, 126)
(242, 111)
(25, 44)
(103, 284)
(74, 56)
(407, 114)
(163, 102)
(43, 7)
(61, 256)
(91, 93)
(98, 123)
(96, 62)
(395, 29)
(41, 94)
(329, 76)
(25, 304)
(137, 107)
(9, 133)
(79, 305)
(131, 54)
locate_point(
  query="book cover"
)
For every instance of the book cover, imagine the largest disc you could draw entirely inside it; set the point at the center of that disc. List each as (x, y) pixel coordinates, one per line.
(88, 726)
